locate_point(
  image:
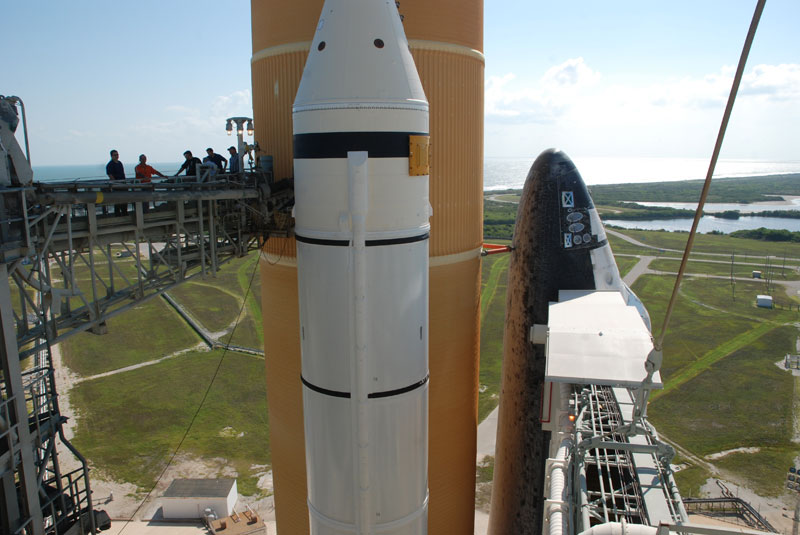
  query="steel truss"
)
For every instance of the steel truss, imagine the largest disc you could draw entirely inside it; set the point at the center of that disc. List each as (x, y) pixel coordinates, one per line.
(67, 264)
(607, 464)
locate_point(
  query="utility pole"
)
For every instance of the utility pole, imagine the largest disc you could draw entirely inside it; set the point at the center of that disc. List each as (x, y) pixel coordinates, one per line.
(783, 267)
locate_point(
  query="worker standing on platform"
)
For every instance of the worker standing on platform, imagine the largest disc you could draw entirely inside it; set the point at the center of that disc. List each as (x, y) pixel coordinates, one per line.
(190, 165)
(216, 158)
(144, 173)
(116, 171)
(234, 160)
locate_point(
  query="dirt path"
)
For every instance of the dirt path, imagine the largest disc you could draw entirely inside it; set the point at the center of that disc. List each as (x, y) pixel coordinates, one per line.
(199, 347)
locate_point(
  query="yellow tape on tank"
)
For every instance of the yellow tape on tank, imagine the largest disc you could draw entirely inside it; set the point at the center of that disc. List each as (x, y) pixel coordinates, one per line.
(419, 155)
(99, 198)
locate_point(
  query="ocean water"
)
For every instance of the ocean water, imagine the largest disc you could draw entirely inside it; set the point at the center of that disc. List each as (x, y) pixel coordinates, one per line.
(505, 173)
(791, 203)
(508, 173)
(53, 173)
(710, 223)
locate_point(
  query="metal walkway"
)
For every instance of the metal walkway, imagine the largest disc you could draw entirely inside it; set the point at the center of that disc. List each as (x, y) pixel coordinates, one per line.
(70, 259)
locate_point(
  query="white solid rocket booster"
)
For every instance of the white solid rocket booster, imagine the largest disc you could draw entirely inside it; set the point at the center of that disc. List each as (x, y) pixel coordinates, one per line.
(361, 208)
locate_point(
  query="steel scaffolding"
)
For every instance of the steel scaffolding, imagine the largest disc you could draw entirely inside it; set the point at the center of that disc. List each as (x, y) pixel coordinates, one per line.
(68, 263)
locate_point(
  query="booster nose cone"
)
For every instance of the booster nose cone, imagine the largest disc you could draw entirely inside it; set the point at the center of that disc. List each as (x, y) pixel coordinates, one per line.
(360, 58)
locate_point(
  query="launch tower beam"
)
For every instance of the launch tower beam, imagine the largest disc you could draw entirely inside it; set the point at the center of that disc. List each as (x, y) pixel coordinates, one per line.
(70, 259)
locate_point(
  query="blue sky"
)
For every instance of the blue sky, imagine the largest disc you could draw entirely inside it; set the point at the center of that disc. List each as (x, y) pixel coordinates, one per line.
(641, 78)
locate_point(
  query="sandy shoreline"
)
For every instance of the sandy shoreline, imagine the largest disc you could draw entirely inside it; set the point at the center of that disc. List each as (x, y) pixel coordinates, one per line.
(786, 200)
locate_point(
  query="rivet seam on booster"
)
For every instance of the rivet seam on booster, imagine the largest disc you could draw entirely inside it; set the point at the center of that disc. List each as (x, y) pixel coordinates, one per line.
(288, 48)
(374, 395)
(338, 144)
(434, 261)
(454, 258)
(452, 48)
(368, 243)
(418, 44)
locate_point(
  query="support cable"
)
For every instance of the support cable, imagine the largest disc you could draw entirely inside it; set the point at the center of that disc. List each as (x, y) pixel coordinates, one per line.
(707, 184)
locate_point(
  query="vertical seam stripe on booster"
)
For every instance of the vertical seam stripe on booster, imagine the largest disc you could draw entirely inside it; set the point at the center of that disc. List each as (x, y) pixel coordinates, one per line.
(338, 144)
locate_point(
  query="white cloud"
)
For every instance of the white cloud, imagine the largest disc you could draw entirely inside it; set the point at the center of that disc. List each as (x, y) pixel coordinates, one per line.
(542, 102)
(573, 105)
(573, 73)
(776, 82)
(181, 127)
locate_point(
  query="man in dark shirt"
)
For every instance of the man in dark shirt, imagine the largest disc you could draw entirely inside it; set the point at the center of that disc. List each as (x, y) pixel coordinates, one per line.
(216, 158)
(234, 159)
(190, 165)
(116, 171)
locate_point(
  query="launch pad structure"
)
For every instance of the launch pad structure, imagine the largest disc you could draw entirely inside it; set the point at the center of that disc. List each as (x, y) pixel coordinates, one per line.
(603, 469)
(53, 236)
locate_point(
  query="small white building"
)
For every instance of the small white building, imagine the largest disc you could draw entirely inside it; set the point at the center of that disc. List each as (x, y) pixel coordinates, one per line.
(188, 498)
(756, 274)
(764, 301)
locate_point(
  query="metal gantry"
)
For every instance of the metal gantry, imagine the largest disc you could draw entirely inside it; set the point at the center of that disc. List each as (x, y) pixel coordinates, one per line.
(620, 469)
(68, 263)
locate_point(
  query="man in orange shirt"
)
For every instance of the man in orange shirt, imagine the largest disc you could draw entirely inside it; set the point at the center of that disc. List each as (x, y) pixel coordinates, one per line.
(144, 173)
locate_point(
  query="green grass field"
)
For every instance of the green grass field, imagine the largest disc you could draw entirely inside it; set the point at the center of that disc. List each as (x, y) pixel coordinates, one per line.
(493, 304)
(740, 300)
(690, 333)
(214, 308)
(216, 302)
(708, 243)
(146, 332)
(625, 263)
(130, 423)
(743, 400)
(722, 388)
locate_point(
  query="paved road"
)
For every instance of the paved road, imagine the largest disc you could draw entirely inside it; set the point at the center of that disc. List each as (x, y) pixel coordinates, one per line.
(641, 267)
(487, 434)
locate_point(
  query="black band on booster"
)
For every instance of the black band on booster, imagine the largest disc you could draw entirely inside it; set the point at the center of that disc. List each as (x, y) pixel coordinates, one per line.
(369, 243)
(338, 144)
(374, 395)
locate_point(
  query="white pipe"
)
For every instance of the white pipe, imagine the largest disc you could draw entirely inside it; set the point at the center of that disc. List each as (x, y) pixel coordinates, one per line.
(357, 178)
(558, 468)
(620, 528)
(558, 476)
